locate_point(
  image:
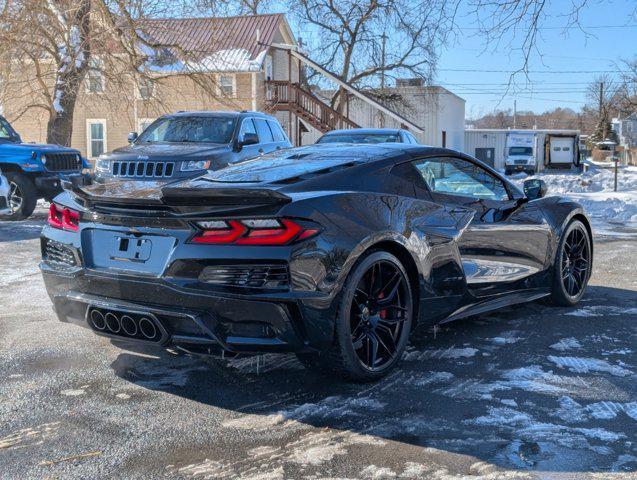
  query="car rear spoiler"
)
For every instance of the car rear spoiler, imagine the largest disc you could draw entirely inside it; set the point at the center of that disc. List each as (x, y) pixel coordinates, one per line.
(222, 196)
(160, 195)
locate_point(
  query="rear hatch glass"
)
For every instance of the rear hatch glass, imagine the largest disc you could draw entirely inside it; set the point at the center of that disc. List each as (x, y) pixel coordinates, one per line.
(279, 166)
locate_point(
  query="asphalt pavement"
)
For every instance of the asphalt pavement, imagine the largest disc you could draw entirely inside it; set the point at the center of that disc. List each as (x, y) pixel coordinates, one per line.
(532, 391)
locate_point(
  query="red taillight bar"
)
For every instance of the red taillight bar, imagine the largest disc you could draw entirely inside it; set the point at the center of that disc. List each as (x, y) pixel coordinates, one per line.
(63, 218)
(238, 233)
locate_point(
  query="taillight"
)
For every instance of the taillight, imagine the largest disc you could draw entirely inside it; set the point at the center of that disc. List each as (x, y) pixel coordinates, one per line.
(262, 232)
(63, 218)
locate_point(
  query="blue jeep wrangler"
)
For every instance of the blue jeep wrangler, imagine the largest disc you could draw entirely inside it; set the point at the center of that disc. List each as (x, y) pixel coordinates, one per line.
(34, 171)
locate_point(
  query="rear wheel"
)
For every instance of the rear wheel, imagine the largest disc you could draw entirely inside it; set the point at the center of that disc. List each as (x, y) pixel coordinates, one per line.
(374, 321)
(23, 197)
(573, 264)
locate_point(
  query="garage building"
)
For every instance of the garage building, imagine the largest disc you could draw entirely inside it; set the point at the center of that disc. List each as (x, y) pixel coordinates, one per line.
(553, 148)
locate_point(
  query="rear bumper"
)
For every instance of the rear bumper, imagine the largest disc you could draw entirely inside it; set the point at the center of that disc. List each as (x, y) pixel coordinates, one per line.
(200, 322)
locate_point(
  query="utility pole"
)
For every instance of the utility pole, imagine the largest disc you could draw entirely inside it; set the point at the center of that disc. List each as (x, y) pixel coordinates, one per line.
(515, 113)
(601, 111)
(381, 117)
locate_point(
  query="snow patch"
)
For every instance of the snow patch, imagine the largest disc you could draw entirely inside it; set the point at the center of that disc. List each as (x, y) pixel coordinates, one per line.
(377, 473)
(586, 365)
(569, 343)
(601, 310)
(450, 353)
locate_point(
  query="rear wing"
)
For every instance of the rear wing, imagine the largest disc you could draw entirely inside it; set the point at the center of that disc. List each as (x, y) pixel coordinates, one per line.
(155, 196)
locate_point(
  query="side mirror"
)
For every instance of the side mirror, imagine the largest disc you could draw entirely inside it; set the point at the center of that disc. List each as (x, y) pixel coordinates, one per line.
(248, 139)
(534, 188)
(132, 136)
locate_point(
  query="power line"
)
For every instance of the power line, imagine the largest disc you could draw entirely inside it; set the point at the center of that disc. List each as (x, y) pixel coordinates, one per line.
(552, 72)
(570, 27)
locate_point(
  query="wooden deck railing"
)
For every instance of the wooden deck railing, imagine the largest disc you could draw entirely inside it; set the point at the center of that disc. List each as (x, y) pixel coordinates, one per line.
(288, 96)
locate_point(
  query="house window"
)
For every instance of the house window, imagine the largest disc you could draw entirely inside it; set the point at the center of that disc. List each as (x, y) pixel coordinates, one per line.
(96, 138)
(95, 77)
(145, 88)
(227, 85)
(268, 67)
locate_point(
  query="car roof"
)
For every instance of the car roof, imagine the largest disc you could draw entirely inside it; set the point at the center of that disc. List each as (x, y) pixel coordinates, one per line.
(364, 131)
(218, 113)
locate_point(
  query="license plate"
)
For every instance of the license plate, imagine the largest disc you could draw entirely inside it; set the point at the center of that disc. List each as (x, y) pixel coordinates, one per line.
(117, 250)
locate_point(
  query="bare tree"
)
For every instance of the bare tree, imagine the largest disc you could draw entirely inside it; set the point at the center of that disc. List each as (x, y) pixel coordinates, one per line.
(50, 48)
(365, 42)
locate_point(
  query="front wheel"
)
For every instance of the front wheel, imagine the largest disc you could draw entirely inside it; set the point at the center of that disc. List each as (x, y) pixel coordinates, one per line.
(374, 320)
(23, 197)
(573, 264)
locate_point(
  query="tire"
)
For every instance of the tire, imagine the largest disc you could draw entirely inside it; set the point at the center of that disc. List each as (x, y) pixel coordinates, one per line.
(27, 194)
(380, 333)
(572, 266)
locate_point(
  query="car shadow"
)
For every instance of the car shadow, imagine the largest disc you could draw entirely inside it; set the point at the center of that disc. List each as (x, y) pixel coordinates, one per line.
(523, 388)
(28, 229)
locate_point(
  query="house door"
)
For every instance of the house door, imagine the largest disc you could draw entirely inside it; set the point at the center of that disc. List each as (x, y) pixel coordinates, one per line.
(486, 155)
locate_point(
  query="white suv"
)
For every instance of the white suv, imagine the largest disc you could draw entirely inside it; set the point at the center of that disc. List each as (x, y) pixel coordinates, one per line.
(4, 195)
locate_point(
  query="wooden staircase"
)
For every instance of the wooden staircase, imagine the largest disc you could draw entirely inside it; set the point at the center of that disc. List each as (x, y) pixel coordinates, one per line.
(287, 96)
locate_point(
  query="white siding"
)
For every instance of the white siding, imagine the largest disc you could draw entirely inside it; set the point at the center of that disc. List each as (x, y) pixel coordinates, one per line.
(434, 109)
(496, 138)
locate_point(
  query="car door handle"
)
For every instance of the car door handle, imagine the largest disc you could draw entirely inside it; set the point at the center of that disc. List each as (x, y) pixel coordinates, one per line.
(458, 210)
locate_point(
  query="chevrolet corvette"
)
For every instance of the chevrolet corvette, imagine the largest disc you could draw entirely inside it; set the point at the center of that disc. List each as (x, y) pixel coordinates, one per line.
(335, 252)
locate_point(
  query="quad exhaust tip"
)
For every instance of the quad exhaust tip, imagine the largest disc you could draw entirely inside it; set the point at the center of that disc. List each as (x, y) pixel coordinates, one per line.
(97, 319)
(127, 325)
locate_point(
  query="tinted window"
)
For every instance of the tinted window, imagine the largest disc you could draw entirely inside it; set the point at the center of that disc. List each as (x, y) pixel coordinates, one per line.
(265, 135)
(6, 132)
(277, 133)
(360, 138)
(455, 176)
(279, 165)
(247, 126)
(203, 129)
(521, 151)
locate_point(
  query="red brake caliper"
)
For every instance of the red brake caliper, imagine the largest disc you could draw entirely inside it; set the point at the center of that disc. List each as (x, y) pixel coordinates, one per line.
(383, 313)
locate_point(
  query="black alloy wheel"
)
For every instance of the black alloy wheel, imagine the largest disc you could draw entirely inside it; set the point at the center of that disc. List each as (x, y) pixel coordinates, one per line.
(374, 321)
(573, 265)
(378, 314)
(575, 262)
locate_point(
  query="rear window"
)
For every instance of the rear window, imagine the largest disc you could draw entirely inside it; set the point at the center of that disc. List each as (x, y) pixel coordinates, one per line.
(277, 166)
(359, 138)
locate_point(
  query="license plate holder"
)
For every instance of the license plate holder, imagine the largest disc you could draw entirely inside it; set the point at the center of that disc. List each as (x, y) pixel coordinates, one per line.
(126, 251)
(131, 248)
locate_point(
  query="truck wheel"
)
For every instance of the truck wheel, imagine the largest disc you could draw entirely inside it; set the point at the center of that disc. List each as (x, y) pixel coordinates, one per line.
(22, 197)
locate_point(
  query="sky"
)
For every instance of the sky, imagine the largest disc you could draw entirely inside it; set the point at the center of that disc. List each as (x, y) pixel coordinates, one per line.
(610, 36)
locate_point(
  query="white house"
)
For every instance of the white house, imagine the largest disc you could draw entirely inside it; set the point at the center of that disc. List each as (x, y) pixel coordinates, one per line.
(438, 112)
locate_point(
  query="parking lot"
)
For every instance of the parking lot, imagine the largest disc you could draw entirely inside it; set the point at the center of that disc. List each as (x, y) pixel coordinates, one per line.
(529, 392)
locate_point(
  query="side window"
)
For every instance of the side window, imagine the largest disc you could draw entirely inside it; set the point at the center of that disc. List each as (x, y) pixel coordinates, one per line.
(265, 135)
(247, 126)
(277, 133)
(455, 176)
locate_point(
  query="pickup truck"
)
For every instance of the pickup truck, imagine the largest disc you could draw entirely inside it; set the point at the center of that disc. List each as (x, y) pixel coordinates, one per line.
(34, 171)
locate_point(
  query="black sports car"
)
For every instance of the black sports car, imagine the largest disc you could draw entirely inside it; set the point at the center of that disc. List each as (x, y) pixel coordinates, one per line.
(335, 253)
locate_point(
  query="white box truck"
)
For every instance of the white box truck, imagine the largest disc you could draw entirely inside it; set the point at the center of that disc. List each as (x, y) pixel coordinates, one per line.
(520, 152)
